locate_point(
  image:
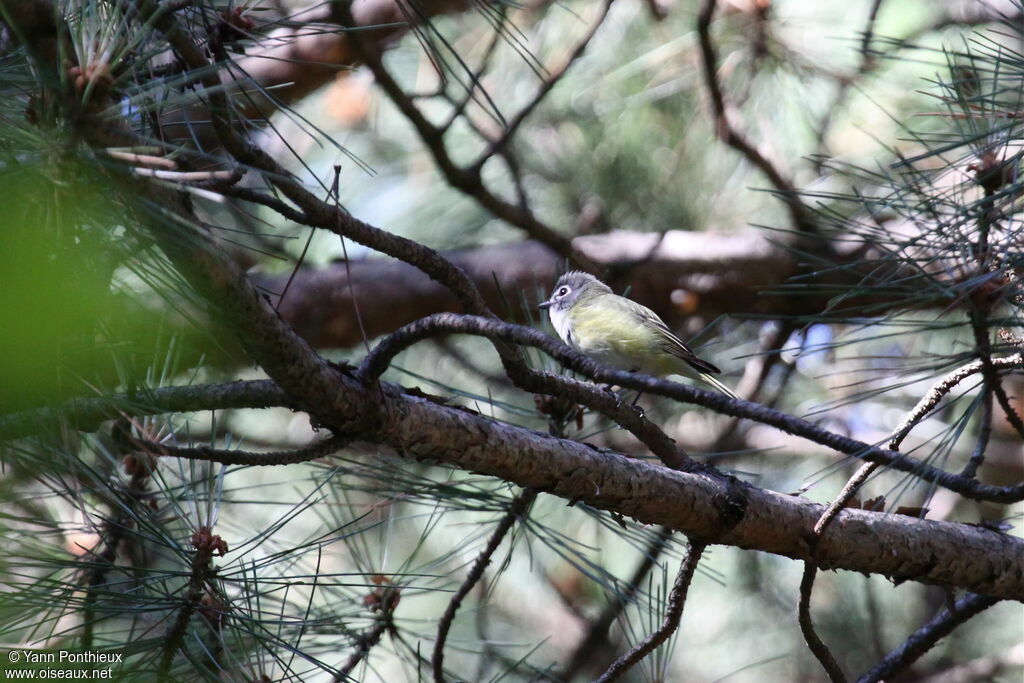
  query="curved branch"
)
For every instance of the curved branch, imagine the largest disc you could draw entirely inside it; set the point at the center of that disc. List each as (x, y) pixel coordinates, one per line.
(379, 358)
(814, 642)
(943, 387)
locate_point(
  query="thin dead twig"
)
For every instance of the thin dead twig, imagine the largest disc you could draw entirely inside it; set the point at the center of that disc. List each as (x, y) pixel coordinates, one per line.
(729, 133)
(516, 509)
(676, 601)
(814, 642)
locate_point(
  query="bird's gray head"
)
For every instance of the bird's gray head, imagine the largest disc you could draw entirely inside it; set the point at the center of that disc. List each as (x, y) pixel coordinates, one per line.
(570, 287)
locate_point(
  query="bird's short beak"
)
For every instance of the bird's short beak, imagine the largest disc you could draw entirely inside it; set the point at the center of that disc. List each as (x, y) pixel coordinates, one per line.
(546, 304)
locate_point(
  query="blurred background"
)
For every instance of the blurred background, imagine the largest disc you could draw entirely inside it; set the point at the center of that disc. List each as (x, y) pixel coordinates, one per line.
(882, 114)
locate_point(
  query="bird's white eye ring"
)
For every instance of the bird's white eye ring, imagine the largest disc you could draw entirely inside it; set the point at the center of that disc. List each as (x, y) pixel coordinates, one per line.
(563, 291)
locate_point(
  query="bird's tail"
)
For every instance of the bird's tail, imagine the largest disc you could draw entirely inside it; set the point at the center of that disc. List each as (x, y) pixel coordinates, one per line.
(710, 379)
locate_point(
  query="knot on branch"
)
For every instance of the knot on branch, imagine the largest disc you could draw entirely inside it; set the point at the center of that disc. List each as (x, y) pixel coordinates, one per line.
(207, 543)
(992, 173)
(95, 77)
(560, 409)
(384, 598)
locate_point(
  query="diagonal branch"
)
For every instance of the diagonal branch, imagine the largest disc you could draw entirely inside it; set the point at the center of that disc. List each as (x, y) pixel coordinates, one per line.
(516, 509)
(466, 179)
(934, 395)
(674, 612)
(917, 413)
(730, 134)
(926, 637)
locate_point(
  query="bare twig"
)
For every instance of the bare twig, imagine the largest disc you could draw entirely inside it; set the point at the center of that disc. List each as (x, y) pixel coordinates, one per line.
(316, 450)
(924, 406)
(730, 133)
(927, 636)
(674, 611)
(984, 434)
(466, 180)
(597, 633)
(917, 413)
(516, 509)
(943, 387)
(814, 642)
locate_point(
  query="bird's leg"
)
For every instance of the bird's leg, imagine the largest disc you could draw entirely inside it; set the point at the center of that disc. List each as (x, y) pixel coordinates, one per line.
(639, 409)
(610, 388)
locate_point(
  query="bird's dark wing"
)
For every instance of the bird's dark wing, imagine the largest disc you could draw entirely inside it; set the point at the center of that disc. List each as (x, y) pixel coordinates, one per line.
(670, 342)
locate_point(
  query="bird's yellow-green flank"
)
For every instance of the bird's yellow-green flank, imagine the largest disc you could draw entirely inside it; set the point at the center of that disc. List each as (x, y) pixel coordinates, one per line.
(617, 335)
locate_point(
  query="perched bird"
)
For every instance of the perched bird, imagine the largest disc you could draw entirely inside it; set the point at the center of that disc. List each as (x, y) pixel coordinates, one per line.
(621, 333)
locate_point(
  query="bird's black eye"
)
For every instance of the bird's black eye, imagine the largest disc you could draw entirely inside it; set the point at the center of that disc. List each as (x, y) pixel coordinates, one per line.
(563, 291)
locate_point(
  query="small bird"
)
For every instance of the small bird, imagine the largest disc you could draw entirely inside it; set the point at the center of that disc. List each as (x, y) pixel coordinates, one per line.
(621, 333)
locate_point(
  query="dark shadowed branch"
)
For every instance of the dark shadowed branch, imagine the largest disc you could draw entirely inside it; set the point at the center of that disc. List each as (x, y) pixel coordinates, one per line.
(927, 636)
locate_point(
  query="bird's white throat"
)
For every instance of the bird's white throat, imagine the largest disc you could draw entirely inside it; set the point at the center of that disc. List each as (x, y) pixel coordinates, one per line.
(560, 321)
